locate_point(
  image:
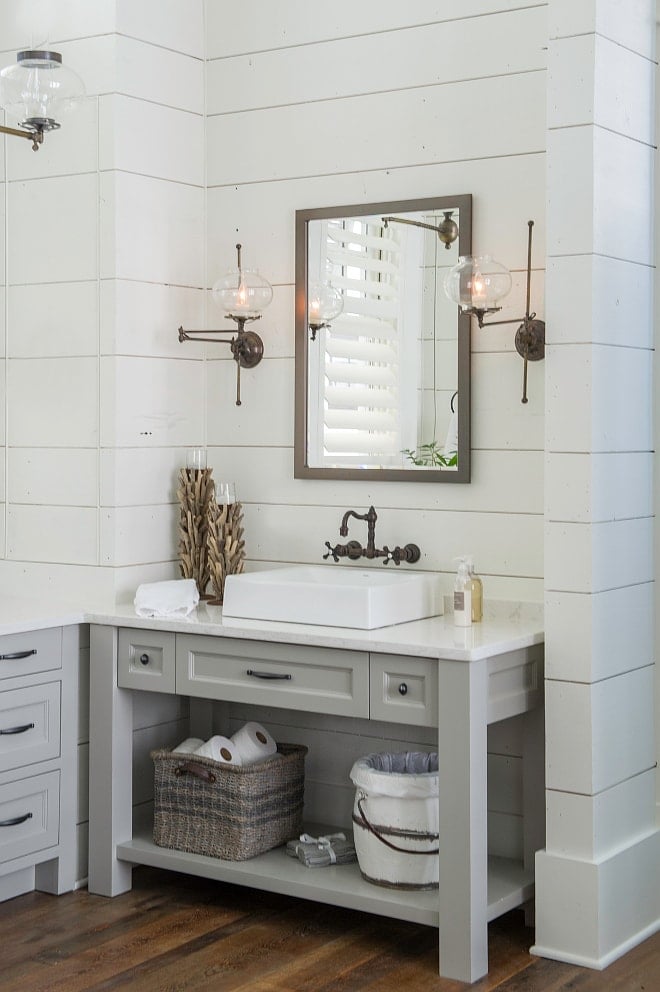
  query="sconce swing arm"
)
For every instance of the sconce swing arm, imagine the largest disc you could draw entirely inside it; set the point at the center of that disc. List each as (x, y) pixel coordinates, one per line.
(447, 231)
(36, 136)
(530, 336)
(247, 348)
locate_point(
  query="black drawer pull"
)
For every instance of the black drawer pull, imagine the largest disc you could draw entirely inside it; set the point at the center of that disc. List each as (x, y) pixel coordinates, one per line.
(268, 675)
(17, 730)
(403, 689)
(16, 820)
(17, 655)
(144, 659)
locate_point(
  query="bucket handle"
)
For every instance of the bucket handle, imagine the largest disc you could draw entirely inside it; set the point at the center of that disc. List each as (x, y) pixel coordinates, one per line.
(364, 822)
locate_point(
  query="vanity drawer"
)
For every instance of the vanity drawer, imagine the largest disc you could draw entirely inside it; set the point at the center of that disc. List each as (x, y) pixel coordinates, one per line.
(145, 660)
(317, 680)
(29, 815)
(29, 725)
(31, 652)
(404, 690)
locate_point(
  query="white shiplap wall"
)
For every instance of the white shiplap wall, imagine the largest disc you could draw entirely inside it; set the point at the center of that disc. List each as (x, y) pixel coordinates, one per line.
(308, 108)
(100, 400)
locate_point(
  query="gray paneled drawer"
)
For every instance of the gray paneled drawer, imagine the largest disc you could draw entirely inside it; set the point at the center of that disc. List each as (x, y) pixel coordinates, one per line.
(145, 660)
(33, 651)
(29, 725)
(404, 690)
(318, 680)
(29, 815)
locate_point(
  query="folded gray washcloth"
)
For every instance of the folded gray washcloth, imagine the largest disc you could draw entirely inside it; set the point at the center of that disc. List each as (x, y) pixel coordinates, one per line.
(318, 852)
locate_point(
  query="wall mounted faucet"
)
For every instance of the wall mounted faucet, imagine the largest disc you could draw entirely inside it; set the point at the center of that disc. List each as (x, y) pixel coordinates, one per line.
(353, 550)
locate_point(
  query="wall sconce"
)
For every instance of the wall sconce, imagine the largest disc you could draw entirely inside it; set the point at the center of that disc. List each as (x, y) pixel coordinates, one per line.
(447, 231)
(37, 90)
(478, 283)
(242, 294)
(324, 303)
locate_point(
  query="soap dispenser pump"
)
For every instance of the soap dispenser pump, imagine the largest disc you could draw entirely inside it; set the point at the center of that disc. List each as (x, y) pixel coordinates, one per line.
(463, 594)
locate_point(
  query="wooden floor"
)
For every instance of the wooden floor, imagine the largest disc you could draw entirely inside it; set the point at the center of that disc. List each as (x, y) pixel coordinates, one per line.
(174, 934)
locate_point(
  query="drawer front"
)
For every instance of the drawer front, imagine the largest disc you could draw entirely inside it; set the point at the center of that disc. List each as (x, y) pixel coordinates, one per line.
(34, 651)
(29, 725)
(29, 815)
(404, 690)
(146, 660)
(318, 680)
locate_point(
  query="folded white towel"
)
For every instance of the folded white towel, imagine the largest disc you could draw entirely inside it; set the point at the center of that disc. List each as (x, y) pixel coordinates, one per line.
(175, 598)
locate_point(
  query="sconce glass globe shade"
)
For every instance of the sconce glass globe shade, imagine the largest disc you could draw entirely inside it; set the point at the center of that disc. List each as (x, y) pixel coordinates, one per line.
(477, 282)
(242, 292)
(38, 89)
(324, 303)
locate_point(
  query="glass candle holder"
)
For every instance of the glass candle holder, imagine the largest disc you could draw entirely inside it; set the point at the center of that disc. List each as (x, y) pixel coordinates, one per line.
(225, 493)
(196, 458)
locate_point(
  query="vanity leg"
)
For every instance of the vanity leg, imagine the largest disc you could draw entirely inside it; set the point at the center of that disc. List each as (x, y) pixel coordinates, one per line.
(110, 766)
(463, 857)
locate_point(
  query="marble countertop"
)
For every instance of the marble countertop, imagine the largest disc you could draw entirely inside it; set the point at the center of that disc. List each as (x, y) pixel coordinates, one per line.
(505, 627)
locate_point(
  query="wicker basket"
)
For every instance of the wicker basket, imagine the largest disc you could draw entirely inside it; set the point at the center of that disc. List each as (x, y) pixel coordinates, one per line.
(228, 811)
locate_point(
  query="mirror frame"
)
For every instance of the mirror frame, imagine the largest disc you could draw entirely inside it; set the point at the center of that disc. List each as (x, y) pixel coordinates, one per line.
(301, 468)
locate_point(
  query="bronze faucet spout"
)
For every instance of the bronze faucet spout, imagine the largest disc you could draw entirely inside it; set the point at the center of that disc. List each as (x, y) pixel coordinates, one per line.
(370, 516)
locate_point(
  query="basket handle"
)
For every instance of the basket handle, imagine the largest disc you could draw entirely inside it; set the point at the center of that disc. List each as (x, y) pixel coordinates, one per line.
(192, 768)
(364, 822)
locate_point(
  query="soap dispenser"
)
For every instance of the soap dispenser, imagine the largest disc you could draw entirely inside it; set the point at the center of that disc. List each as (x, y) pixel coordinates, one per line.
(477, 590)
(462, 594)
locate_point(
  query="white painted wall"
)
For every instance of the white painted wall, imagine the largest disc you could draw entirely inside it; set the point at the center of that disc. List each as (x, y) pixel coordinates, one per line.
(104, 228)
(363, 103)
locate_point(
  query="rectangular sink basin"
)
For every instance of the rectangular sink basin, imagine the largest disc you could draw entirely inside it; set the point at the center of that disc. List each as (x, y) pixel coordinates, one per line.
(333, 596)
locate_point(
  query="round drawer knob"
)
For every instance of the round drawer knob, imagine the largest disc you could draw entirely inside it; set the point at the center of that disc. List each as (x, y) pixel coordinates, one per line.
(403, 689)
(144, 659)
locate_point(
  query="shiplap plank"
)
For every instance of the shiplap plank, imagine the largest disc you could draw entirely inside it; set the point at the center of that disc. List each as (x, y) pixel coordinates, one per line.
(261, 215)
(408, 127)
(502, 482)
(505, 543)
(254, 26)
(374, 63)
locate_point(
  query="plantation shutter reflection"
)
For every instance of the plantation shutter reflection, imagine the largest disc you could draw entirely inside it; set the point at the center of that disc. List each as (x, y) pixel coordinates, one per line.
(361, 348)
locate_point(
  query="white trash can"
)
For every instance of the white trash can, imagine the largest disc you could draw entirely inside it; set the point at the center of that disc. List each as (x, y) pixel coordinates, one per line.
(395, 819)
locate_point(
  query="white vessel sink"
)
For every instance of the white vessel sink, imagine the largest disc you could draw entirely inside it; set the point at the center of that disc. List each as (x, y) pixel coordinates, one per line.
(335, 596)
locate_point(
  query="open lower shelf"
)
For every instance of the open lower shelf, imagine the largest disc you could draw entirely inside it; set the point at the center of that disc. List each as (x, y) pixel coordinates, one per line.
(340, 885)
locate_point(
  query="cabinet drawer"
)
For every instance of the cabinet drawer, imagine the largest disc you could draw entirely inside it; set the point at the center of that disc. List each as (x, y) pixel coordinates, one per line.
(404, 690)
(318, 680)
(29, 725)
(33, 651)
(29, 815)
(146, 660)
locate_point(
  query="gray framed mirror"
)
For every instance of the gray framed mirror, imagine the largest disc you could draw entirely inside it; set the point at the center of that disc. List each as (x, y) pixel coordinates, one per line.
(382, 357)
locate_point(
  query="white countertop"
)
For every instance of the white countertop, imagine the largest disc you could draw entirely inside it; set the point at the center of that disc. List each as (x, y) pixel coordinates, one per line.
(506, 627)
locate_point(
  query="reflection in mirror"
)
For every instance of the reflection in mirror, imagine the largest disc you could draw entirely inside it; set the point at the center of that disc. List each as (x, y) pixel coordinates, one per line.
(382, 355)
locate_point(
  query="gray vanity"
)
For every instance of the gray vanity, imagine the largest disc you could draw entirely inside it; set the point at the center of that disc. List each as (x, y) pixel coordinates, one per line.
(458, 681)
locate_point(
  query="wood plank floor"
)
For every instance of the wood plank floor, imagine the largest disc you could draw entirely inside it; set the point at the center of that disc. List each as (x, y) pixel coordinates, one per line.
(173, 933)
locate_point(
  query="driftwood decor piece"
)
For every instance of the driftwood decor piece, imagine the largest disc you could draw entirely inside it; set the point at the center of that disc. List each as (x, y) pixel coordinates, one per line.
(195, 492)
(226, 547)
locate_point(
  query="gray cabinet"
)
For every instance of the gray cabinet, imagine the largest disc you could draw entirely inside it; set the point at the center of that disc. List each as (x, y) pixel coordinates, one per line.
(457, 695)
(38, 759)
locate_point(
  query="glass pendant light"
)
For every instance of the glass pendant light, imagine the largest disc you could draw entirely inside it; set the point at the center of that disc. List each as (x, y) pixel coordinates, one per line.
(478, 283)
(39, 89)
(242, 292)
(324, 303)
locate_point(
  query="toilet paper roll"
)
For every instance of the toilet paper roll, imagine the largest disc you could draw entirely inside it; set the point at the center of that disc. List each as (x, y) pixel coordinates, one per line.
(253, 743)
(221, 749)
(188, 746)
